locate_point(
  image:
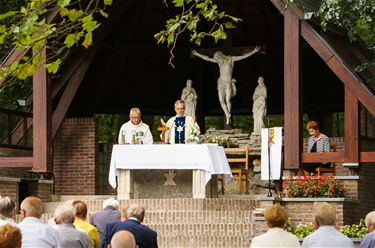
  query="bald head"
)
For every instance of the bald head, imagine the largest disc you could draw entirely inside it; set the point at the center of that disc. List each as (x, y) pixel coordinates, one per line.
(123, 239)
(32, 206)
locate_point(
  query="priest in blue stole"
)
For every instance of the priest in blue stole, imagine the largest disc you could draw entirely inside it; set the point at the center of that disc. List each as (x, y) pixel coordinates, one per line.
(180, 126)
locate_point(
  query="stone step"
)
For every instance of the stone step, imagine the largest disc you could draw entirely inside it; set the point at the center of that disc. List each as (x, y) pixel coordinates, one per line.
(171, 204)
(182, 217)
(202, 229)
(204, 241)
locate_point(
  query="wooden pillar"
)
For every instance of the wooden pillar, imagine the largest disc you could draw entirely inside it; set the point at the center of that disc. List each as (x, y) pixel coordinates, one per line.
(292, 116)
(351, 139)
(42, 150)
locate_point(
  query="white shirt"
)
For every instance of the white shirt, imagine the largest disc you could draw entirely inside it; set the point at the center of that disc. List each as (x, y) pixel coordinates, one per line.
(275, 237)
(35, 234)
(6, 221)
(327, 236)
(140, 130)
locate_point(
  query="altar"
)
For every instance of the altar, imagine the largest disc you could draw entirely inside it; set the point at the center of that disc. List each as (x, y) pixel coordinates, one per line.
(205, 161)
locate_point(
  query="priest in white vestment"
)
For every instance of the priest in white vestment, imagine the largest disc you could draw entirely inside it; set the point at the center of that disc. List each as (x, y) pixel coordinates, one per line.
(181, 127)
(135, 131)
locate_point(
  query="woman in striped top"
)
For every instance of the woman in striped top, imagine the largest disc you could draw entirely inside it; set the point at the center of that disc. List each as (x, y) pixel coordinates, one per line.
(318, 142)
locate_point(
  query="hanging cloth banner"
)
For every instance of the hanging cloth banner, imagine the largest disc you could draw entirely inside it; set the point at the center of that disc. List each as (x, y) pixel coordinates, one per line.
(272, 140)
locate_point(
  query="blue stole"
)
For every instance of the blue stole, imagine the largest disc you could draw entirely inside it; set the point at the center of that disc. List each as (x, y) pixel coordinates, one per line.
(179, 137)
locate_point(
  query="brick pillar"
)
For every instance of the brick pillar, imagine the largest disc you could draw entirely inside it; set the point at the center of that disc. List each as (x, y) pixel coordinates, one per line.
(75, 157)
(41, 188)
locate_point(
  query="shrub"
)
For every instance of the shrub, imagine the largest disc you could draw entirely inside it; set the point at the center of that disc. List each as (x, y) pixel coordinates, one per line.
(355, 230)
(302, 230)
(313, 186)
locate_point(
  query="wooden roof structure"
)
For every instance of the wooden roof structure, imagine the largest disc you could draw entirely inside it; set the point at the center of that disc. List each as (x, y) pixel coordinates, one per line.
(125, 68)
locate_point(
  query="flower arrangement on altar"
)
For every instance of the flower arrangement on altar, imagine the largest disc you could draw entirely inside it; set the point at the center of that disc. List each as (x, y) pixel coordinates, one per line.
(194, 134)
(220, 140)
(313, 186)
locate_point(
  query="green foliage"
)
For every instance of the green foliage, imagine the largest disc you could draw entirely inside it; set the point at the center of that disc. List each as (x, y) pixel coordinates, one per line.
(355, 230)
(303, 230)
(193, 16)
(288, 226)
(108, 127)
(311, 186)
(27, 28)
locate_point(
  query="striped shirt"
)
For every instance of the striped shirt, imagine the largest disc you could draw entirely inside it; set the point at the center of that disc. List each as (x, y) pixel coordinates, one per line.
(322, 145)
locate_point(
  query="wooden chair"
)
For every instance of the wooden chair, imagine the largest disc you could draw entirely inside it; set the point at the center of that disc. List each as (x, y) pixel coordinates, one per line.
(332, 169)
(238, 158)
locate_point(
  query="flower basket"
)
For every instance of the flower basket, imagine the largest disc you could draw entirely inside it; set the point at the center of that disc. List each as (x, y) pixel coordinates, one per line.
(313, 186)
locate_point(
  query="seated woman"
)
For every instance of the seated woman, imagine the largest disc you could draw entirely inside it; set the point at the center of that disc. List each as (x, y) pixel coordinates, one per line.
(276, 218)
(318, 142)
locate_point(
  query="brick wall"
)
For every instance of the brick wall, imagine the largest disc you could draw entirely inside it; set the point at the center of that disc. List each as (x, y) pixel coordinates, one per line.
(10, 188)
(75, 157)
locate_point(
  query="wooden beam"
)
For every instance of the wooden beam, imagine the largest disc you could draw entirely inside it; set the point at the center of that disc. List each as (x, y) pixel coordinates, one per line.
(42, 146)
(16, 162)
(292, 117)
(366, 157)
(316, 157)
(69, 92)
(349, 79)
(351, 138)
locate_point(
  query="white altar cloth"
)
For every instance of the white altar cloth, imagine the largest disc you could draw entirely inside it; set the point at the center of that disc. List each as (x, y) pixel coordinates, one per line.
(208, 157)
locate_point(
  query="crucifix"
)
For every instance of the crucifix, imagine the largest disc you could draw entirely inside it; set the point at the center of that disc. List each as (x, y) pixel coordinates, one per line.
(226, 83)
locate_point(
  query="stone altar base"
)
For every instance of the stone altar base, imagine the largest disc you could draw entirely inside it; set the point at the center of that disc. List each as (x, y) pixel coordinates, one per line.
(149, 184)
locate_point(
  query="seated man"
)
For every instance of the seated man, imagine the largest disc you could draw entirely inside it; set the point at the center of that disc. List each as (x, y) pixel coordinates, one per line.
(67, 234)
(369, 240)
(144, 236)
(180, 126)
(326, 235)
(135, 131)
(34, 232)
(123, 239)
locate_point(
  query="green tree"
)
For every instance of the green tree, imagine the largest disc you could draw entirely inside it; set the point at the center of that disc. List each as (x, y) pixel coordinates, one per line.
(31, 27)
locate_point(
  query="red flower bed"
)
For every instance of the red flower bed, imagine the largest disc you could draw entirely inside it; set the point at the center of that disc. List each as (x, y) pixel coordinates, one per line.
(313, 186)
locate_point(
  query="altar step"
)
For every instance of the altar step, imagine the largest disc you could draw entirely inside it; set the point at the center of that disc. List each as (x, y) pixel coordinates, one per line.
(182, 222)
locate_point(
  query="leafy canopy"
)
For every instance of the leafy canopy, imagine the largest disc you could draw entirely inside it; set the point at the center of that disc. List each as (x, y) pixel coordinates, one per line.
(193, 16)
(31, 27)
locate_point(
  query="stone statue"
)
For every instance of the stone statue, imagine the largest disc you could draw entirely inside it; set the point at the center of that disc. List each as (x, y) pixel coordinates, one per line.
(259, 105)
(226, 84)
(190, 97)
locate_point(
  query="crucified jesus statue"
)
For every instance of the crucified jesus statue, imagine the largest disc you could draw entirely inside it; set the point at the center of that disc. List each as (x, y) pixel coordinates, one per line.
(226, 83)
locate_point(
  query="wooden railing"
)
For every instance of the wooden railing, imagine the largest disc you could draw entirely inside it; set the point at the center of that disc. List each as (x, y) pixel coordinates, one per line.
(22, 128)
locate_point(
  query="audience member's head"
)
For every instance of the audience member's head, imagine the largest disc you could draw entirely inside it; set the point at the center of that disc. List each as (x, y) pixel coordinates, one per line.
(81, 209)
(370, 221)
(31, 207)
(137, 211)
(276, 216)
(324, 214)
(123, 210)
(110, 202)
(7, 207)
(65, 213)
(10, 237)
(123, 239)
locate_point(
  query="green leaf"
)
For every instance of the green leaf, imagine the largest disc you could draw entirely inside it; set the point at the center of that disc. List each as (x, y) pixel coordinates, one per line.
(170, 38)
(192, 25)
(53, 67)
(14, 66)
(63, 3)
(107, 2)
(88, 40)
(2, 38)
(70, 40)
(103, 13)
(7, 14)
(74, 14)
(88, 24)
(229, 25)
(178, 3)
